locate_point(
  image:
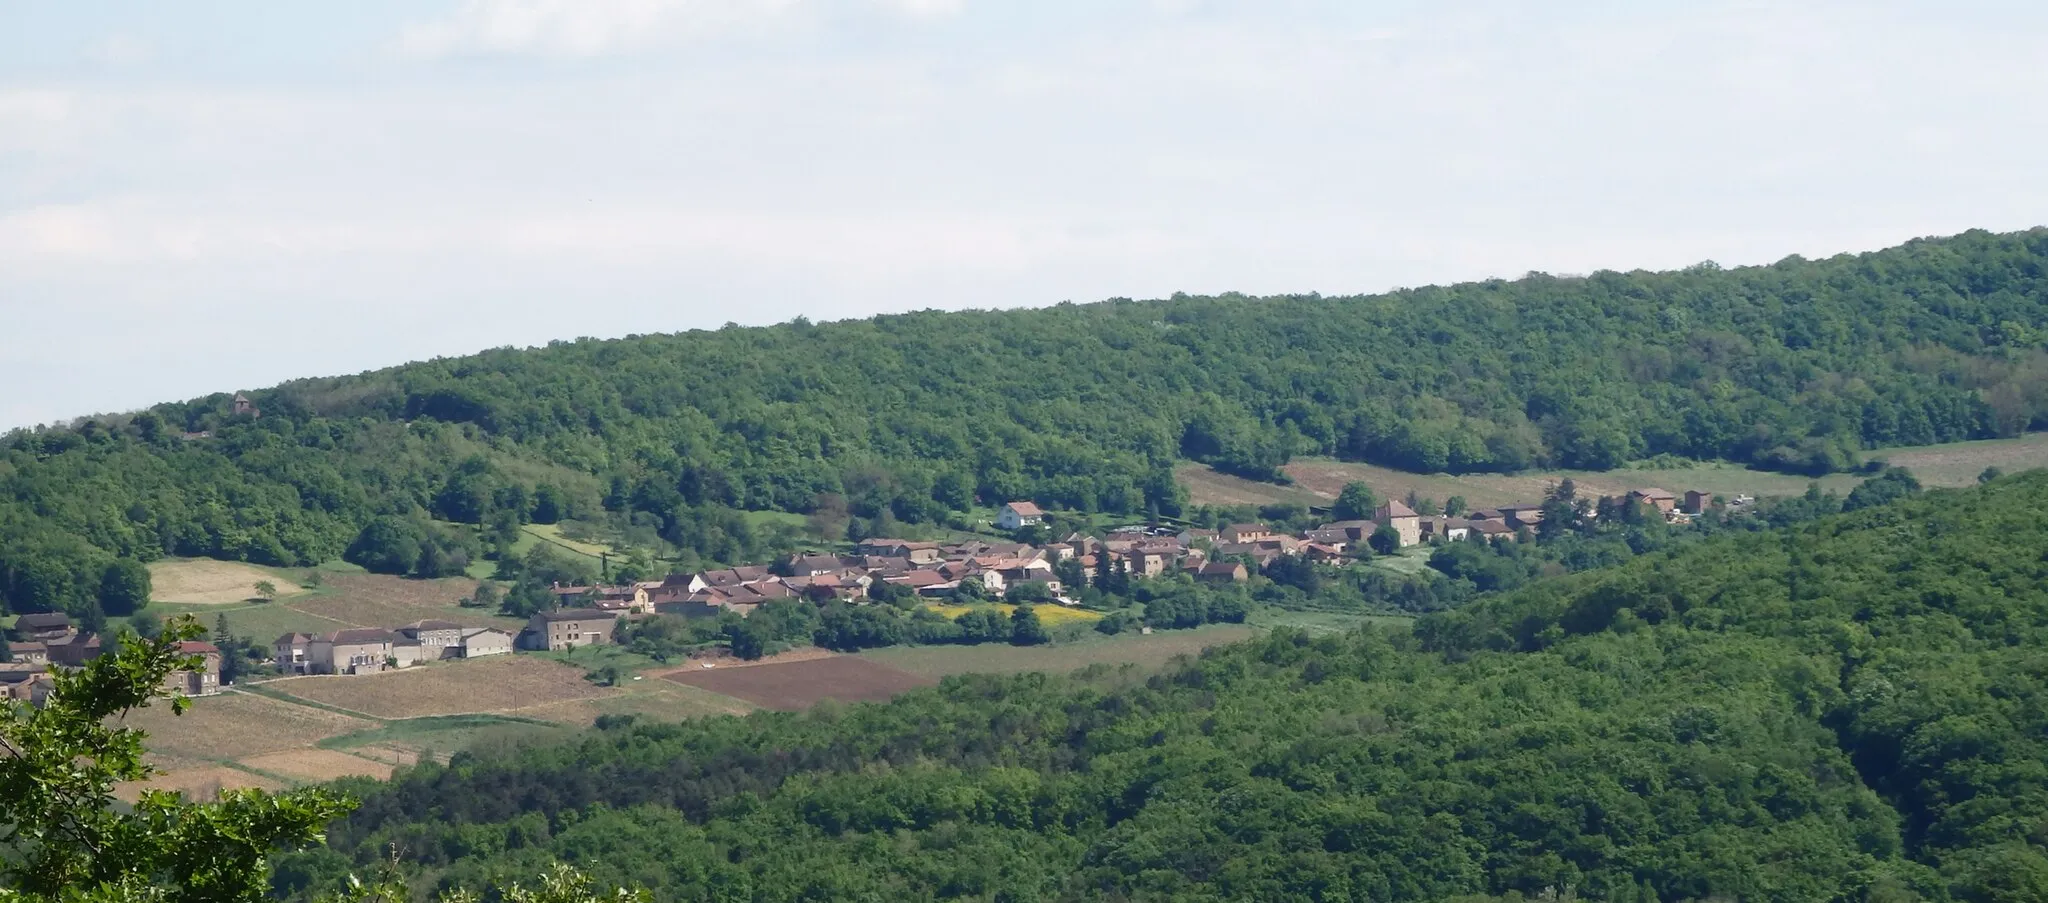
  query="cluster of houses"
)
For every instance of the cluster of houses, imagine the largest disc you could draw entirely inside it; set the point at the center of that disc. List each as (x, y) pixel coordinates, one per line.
(589, 615)
(47, 640)
(368, 650)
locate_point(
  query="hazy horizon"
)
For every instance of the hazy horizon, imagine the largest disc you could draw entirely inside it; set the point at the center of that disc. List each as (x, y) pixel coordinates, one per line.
(228, 195)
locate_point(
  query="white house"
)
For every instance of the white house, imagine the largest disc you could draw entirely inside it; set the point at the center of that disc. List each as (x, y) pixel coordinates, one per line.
(1019, 514)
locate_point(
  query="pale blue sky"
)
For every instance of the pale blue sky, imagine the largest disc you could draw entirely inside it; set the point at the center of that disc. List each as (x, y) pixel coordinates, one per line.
(202, 196)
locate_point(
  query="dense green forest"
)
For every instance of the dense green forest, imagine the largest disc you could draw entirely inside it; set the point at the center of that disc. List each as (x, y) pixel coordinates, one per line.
(1849, 708)
(913, 419)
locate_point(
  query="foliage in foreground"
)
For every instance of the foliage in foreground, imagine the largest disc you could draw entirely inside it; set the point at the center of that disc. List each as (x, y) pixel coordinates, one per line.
(1854, 708)
(63, 836)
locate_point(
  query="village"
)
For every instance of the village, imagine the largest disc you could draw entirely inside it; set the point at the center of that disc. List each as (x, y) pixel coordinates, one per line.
(939, 571)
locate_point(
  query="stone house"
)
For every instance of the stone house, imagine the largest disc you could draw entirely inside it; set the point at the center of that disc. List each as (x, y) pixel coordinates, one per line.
(205, 680)
(568, 629)
(1406, 523)
(356, 650)
(437, 639)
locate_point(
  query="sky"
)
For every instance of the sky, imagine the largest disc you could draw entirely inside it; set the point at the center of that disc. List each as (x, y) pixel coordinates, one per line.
(215, 195)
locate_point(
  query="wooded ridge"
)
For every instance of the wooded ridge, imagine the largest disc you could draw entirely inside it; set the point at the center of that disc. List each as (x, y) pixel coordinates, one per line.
(919, 417)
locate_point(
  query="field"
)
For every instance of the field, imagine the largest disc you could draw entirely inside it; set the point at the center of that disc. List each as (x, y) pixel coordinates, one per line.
(502, 684)
(235, 725)
(346, 599)
(791, 686)
(200, 581)
(1048, 615)
(316, 765)
(1317, 481)
(1147, 651)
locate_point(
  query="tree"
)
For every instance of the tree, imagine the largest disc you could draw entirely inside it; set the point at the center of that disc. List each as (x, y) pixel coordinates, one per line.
(1105, 569)
(266, 590)
(69, 840)
(124, 587)
(1454, 506)
(1025, 630)
(484, 596)
(1354, 502)
(146, 624)
(1386, 540)
(386, 545)
(1989, 474)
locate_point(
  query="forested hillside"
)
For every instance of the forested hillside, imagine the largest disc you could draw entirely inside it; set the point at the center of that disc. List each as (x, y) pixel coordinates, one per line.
(912, 418)
(1852, 709)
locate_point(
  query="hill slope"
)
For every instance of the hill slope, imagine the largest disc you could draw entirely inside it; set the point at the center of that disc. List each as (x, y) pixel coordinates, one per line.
(1793, 365)
(1852, 710)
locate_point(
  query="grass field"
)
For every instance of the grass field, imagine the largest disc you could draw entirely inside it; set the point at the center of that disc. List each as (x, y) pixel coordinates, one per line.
(202, 581)
(1321, 621)
(1145, 651)
(1048, 615)
(1317, 481)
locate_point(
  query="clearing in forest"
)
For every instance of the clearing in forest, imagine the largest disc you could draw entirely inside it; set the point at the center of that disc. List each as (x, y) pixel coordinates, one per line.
(1318, 480)
(792, 686)
(202, 581)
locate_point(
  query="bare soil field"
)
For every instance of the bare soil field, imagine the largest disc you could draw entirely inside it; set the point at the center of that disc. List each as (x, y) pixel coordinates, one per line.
(202, 783)
(791, 686)
(201, 581)
(317, 765)
(1148, 652)
(498, 684)
(234, 725)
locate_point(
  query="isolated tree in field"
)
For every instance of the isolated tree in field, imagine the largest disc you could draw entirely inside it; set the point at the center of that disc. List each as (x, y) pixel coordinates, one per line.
(266, 590)
(1385, 540)
(1355, 502)
(1989, 474)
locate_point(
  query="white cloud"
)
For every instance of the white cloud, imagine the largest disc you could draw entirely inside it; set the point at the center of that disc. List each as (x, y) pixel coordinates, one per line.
(578, 28)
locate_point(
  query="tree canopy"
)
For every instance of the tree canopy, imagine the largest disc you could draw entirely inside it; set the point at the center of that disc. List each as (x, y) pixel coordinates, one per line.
(1844, 709)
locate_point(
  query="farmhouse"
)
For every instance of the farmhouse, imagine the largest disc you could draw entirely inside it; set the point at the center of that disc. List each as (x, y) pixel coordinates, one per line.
(1236, 534)
(203, 681)
(568, 629)
(1016, 515)
(1665, 502)
(1406, 523)
(30, 685)
(1697, 502)
(28, 653)
(356, 650)
(481, 641)
(1221, 572)
(437, 639)
(44, 625)
(73, 650)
